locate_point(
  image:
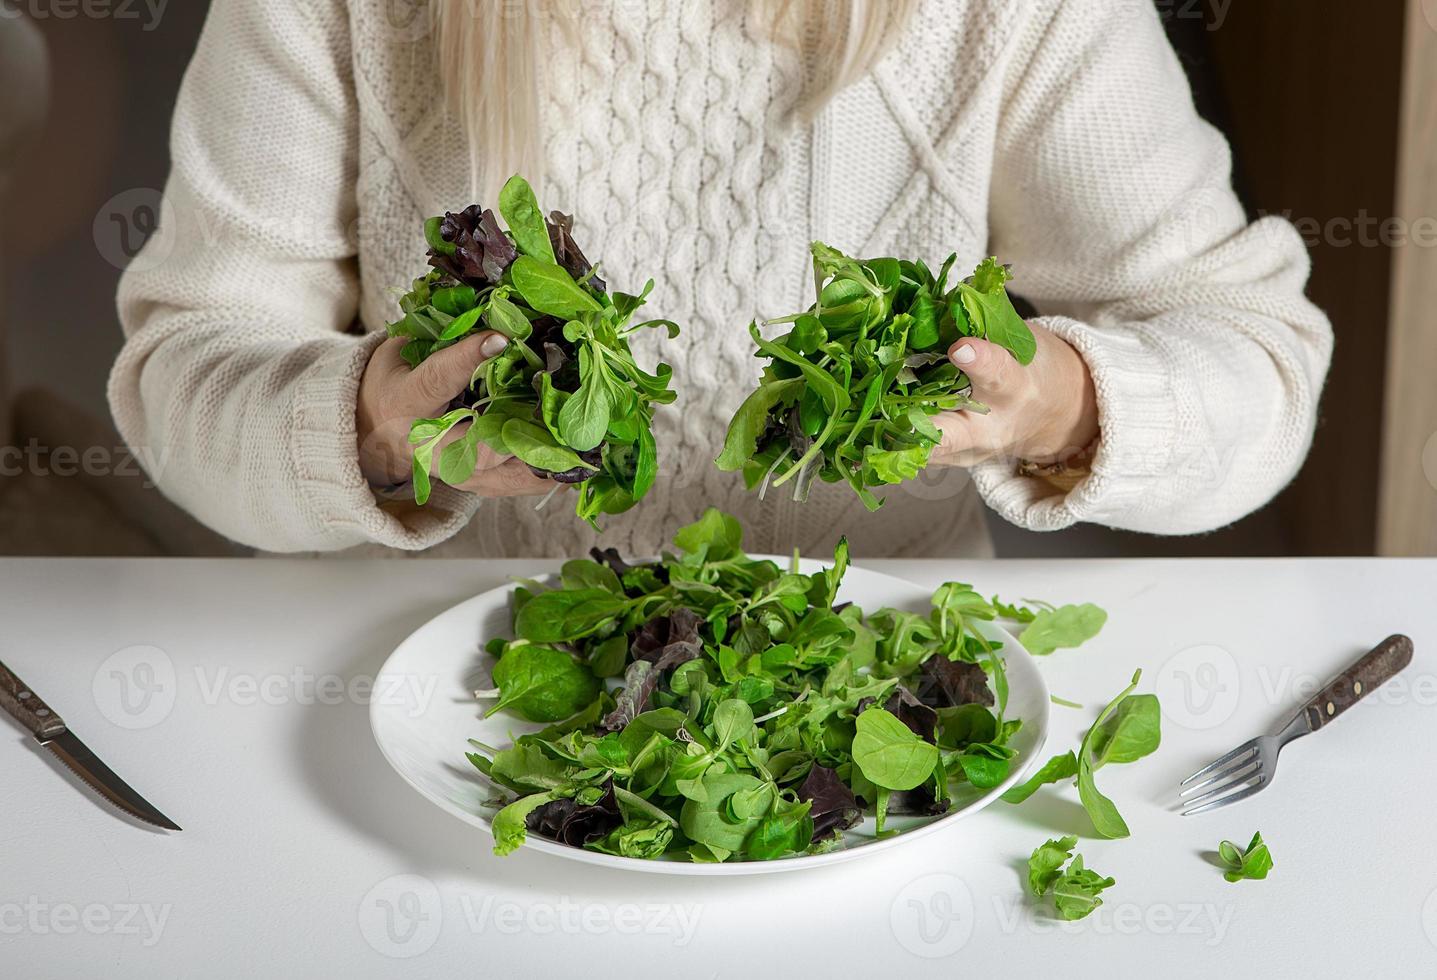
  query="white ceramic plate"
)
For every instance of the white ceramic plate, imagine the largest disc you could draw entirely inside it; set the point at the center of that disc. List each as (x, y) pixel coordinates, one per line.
(423, 715)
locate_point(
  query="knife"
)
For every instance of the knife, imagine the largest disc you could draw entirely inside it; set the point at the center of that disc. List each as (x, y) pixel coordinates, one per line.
(49, 729)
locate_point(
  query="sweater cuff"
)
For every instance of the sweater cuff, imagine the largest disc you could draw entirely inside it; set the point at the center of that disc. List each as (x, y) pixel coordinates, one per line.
(336, 499)
(1137, 427)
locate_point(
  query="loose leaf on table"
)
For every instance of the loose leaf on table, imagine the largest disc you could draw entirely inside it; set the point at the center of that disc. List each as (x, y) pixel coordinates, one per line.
(1075, 893)
(1045, 866)
(1057, 768)
(1251, 863)
(1135, 732)
(1075, 888)
(1066, 626)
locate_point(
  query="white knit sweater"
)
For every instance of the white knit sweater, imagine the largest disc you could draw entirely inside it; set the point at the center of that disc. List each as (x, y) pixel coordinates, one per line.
(307, 149)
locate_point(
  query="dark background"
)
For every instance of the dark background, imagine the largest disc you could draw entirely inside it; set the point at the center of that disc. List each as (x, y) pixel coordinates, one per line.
(1307, 90)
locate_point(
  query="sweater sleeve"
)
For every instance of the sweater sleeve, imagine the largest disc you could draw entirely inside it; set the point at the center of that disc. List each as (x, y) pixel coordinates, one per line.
(1113, 201)
(237, 380)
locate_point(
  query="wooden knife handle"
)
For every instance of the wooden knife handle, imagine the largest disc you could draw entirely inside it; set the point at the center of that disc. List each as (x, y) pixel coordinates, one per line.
(25, 706)
(1376, 668)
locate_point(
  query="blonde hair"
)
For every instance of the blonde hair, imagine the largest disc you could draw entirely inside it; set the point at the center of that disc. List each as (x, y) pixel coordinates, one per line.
(491, 54)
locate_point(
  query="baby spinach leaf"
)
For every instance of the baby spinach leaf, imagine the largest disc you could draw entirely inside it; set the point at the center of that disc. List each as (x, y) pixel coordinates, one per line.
(1067, 626)
(560, 616)
(889, 754)
(542, 684)
(1105, 816)
(1129, 733)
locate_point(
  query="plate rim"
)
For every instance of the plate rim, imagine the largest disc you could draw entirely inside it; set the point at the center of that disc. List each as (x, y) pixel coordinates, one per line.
(379, 707)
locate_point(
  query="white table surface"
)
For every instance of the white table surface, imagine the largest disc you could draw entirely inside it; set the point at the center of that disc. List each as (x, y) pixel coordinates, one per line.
(303, 854)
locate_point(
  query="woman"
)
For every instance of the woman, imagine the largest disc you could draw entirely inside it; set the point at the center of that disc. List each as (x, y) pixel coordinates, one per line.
(706, 143)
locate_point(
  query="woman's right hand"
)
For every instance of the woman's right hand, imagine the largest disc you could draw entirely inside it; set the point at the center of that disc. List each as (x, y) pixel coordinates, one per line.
(392, 396)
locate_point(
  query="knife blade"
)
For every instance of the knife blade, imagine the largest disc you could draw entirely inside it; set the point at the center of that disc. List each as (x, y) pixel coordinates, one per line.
(49, 729)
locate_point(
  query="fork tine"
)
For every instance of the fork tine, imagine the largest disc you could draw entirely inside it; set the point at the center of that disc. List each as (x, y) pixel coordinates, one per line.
(1261, 783)
(1225, 774)
(1249, 746)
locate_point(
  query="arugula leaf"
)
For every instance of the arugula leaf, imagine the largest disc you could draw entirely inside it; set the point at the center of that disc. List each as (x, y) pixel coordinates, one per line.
(1059, 767)
(1067, 626)
(1252, 863)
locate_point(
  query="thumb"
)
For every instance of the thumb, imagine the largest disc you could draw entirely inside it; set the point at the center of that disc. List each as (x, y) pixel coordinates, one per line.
(993, 371)
(442, 376)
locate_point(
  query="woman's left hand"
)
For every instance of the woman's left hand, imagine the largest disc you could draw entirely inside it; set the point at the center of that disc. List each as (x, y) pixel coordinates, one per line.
(1041, 412)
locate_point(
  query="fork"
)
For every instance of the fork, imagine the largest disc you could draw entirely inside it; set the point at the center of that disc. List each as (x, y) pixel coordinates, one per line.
(1253, 764)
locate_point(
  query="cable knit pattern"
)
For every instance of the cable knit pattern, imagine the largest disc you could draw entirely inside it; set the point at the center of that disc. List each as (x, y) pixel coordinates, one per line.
(308, 148)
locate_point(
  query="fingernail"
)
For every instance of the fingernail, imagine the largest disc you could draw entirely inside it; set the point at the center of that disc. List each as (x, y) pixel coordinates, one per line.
(965, 355)
(493, 345)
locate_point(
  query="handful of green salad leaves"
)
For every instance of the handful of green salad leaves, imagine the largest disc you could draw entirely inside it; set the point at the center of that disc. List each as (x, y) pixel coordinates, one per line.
(849, 392)
(566, 396)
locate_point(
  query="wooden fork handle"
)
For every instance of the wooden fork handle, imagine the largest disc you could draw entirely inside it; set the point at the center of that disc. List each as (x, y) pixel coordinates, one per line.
(25, 706)
(1376, 668)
